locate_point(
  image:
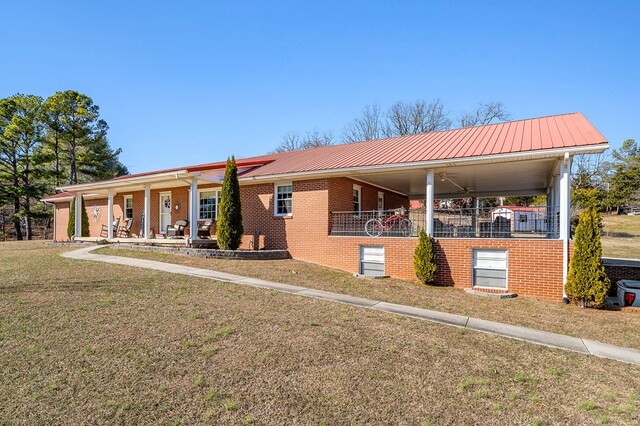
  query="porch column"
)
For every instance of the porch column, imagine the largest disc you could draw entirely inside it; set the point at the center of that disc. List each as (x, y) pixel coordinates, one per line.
(110, 213)
(147, 212)
(78, 212)
(565, 199)
(429, 204)
(193, 210)
(565, 216)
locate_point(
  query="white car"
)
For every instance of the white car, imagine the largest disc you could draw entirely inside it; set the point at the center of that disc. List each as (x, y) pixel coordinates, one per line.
(629, 293)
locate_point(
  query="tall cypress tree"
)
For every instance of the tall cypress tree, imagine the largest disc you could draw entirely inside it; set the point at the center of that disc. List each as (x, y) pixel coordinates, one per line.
(587, 283)
(71, 226)
(229, 230)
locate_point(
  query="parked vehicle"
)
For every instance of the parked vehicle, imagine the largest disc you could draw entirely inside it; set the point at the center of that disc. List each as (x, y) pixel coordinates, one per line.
(629, 293)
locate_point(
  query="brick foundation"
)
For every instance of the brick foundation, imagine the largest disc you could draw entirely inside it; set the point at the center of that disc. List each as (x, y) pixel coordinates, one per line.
(534, 265)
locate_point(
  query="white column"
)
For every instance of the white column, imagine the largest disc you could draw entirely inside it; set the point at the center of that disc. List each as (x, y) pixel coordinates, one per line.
(78, 225)
(565, 216)
(429, 203)
(147, 212)
(564, 201)
(193, 209)
(110, 213)
(550, 208)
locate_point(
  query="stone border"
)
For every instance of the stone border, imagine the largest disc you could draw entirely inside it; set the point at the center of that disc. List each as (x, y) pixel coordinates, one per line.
(209, 253)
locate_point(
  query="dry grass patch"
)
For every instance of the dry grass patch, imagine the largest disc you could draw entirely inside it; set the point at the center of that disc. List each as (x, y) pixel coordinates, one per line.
(69, 358)
(616, 327)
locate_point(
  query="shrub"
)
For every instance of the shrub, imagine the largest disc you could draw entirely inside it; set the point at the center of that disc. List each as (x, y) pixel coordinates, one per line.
(229, 229)
(71, 226)
(587, 283)
(424, 259)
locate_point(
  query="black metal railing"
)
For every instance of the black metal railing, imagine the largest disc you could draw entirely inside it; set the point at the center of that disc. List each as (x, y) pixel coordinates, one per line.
(486, 222)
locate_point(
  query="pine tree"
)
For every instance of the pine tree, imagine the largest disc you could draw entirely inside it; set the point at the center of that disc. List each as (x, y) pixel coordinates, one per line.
(587, 283)
(229, 230)
(424, 259)
(71, 226)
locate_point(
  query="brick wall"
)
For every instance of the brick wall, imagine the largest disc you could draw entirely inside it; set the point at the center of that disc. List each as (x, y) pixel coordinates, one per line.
(96, 222)
(534, 266)
(61, 222)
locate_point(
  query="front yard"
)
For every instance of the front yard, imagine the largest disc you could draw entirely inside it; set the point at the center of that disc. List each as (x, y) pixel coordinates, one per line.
(92, 343)
(616, 327)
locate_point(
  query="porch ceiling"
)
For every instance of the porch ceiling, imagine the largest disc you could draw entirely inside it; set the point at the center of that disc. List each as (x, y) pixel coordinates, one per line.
(487, 180)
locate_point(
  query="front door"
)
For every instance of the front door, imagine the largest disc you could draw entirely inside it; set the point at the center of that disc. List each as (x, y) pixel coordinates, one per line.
(165, 211)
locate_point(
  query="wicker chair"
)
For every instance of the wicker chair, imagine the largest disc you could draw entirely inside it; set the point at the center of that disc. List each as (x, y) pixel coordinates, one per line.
(177, 230)
(204, 230)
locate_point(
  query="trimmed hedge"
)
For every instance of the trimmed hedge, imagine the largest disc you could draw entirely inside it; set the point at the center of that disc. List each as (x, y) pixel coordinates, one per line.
(424, 259)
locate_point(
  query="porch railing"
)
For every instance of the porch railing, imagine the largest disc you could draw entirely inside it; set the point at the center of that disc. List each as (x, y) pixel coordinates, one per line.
(486, 222)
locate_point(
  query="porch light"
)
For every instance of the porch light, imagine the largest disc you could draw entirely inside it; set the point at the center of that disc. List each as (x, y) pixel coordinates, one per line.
(443, 177)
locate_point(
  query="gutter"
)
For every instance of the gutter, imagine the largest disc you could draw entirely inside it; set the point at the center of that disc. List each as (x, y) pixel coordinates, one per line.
(423, 165)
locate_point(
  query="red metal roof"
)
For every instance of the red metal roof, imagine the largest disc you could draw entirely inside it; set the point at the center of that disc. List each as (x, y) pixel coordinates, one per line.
(59, 195)
(535, 134)
(245, 162)
(553, 132)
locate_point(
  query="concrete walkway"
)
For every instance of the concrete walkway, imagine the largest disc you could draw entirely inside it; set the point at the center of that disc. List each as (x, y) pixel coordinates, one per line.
(559, 341)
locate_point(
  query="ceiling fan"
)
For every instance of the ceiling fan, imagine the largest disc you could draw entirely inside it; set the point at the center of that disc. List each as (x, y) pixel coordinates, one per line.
(465, 189)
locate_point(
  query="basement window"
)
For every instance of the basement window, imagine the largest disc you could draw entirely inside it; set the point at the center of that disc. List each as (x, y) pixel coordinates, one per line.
(490, 268)
(372, 261)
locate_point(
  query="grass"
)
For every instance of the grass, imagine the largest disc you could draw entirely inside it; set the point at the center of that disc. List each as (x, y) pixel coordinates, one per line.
(146, 365)
(616, 327)
(621, 236)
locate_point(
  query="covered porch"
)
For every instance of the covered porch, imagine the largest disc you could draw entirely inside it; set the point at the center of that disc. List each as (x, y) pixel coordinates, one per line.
(432, 207)
(175, 208)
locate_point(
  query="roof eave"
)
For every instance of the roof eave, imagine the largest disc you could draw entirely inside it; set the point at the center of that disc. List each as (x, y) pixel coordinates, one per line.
(487, 159)
(114, 183)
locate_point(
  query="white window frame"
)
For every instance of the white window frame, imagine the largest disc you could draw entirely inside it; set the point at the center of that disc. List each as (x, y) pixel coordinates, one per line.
(217, 196)
(380, 198)
(275, 199)
(506, 269)
(359, 189)
(124, 207)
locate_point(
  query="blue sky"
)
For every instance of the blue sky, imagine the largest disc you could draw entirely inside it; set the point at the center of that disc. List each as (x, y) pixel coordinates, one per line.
(190, 82)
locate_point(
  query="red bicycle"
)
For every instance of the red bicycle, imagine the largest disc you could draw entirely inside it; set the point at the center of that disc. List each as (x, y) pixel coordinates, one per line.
(396, 222)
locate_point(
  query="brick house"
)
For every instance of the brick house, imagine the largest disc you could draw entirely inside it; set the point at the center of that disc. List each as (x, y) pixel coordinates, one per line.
(316, 203)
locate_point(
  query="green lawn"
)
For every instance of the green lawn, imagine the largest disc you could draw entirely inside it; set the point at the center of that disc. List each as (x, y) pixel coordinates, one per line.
(92, 343)
(616, 327)
(621, 236)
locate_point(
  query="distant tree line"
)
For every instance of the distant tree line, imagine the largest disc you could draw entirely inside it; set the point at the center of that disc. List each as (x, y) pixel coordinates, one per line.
(608, 183)
(401, 119)
(48, 143)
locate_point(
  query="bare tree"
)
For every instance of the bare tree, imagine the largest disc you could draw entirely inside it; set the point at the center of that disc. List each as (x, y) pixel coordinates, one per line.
(290, 142)
(316, 139)
(293, 142)
(589, 171)
(485, 114)
(365, 128)
(430, 117)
